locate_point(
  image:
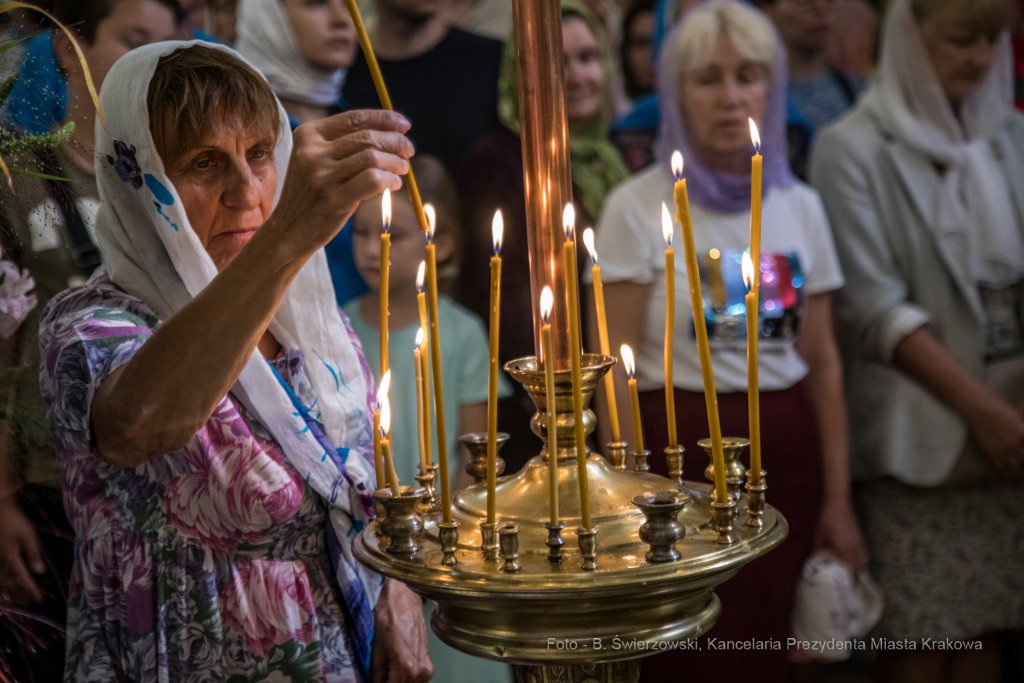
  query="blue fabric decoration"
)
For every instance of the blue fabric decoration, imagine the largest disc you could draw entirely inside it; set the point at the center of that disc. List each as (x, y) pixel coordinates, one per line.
(40, 97)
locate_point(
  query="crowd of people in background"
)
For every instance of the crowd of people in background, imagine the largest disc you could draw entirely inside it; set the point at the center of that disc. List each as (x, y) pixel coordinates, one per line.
(891, 319)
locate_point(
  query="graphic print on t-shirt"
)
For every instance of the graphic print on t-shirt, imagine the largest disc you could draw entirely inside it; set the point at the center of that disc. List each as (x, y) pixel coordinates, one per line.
(780, 306)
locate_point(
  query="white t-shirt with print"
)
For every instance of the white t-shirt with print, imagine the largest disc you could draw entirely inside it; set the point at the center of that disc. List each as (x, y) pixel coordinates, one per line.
(798, 260)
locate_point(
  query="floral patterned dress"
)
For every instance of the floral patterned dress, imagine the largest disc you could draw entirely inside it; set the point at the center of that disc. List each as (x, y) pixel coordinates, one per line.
(207, 564)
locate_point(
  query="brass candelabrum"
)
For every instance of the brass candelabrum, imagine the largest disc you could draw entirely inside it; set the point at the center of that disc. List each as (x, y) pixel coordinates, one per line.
(518, 591)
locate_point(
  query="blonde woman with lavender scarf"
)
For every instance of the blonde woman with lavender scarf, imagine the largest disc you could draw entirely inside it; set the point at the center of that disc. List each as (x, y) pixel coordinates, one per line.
(722, 64)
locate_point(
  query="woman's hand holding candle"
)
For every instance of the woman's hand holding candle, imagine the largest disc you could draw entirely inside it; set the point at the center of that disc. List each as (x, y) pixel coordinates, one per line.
(602, 333)
(700, 327)
(497, 230)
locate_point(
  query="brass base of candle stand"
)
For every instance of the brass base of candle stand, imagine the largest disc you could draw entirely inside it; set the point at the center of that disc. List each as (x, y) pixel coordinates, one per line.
(512, 617)
(615, 672)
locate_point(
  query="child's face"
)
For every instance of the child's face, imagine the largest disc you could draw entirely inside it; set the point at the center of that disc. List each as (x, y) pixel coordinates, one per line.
(408, 244)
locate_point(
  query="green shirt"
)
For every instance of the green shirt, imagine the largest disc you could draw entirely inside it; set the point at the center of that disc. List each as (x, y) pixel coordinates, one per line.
(464, 362)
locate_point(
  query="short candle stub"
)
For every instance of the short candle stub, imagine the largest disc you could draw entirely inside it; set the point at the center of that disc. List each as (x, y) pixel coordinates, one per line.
(674, 461)
(554, 542)
(588, 547)
(509, 540)
(428, 482)
(489, 538)
(401, 524)
(448, 535)
(640, 464)
(732, 448)
(379, 512)
(661, 530)
(724, 515)
(476, 444)
(756, 500)
(617, 454)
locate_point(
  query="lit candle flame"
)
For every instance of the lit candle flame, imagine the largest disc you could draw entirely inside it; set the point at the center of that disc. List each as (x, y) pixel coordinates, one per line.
(497, 231)
(748, 270)
(677, 165)
(421, 334)
(627, 359)
(385, 418)
(419, 277)
(588, 239)
(547, 302)
(666, 225)
(428, 209)
(568, 221)
(385, 207)
(382, 390)
(755, 137)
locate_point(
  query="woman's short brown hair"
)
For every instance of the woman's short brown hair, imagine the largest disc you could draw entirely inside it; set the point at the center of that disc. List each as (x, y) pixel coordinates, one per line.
(199, 87)
(979, 16)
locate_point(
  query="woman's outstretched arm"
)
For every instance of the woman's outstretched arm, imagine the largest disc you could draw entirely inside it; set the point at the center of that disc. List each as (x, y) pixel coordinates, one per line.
(155, 403)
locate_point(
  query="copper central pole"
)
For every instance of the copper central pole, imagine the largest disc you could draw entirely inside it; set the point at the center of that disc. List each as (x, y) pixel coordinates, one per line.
(546, 175)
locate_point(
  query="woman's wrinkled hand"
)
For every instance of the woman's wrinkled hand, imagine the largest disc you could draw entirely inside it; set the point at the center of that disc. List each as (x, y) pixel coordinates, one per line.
(999, 430)
(839, 535)
(336, 163)
(20, 557)
(400, 653)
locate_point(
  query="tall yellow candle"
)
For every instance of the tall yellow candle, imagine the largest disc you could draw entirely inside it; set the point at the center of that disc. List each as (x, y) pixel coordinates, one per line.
(703, 348)
(421, 303)
(753, 299)
(385, 268)
(497, 230)
(755, 204)
(435, 358)
(547, 301)
(572, 305)
(634, 396)
(385, 102)
(753, 395)
(378, 457)
(378, 451)
(670, 324)
(420, 407)
(602, 333)
(385, 445)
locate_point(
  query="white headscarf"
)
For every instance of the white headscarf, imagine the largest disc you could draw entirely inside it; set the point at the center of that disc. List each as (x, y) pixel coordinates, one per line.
(266, 40)
(150, 250)
(909, 103)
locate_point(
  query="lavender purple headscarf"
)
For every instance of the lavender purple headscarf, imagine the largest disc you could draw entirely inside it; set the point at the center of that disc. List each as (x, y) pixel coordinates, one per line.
(712, 189)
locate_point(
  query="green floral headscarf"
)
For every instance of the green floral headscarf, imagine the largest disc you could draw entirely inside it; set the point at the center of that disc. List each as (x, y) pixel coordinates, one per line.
(596, 164)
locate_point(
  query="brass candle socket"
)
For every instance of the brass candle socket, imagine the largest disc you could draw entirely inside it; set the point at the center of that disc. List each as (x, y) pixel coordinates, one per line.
(448, 537)
(756, 500)
(617, 454)
(401, 524)
(431, 503)
(379, 513)
(724, 516)
(674, 460)
(732, 448)
(554, 542)
(509, 540)
(640, 464)
(476, 444)
(588, 547)
(489, 540)
(662, 529)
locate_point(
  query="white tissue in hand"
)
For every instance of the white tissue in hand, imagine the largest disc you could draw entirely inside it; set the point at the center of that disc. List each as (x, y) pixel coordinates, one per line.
(831, 608)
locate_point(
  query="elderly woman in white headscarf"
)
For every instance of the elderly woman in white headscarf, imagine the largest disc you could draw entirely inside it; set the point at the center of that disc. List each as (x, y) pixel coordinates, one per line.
(922, 184)
(303, 48)
(209, 401)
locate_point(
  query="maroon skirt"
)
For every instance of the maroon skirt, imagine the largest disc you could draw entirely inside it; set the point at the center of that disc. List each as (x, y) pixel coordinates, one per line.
(756, 603)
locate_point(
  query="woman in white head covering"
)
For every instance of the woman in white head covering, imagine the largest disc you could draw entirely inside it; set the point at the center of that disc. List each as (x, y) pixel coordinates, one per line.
(303, 48)
(209, 401)
(922, 184)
